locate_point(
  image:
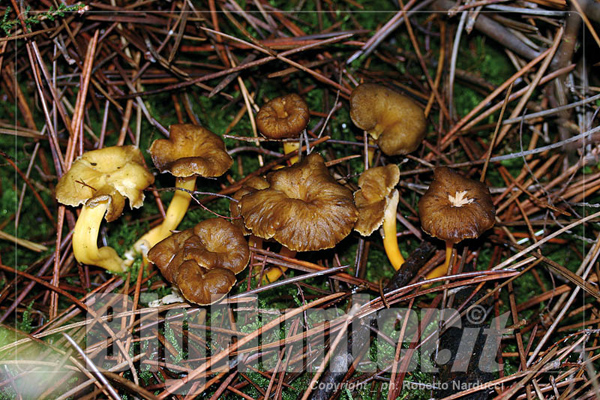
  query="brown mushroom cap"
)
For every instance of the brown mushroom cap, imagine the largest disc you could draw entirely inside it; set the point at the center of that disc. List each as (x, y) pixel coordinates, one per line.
(112, 173)
(218, 243)
(203, 261)
(376, 185)
(304, 208)
(191, 150)
(394, 120)
(203, 286)
(456, 208)
(250, 186)
(283, 117)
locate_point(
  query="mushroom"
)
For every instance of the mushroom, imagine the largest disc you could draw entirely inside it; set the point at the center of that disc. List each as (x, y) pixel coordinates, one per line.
(377, 202)
(101, 180)
(190, 151)
(455, 208)
(282, 118)
(250, 186)
(395, 121)
(304, 208)
(202, 261)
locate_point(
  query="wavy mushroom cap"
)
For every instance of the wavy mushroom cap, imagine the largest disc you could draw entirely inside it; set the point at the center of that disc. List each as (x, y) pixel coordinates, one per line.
(394, 120)
(376, 185)
(112, 173)
(283, 117)
(168, 254)
(203, 286)
(456, 208)
(304, 208)
(219, 243)
(203, 261)
(191, 150)
(250, 186)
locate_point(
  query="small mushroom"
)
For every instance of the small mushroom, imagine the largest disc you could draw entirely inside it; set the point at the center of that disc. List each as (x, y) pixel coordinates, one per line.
(101, 180)
(377, 202)
(284, 117)
(395, 121)
(202, 261)
(190, 151)
(304, 208)
(455, 208)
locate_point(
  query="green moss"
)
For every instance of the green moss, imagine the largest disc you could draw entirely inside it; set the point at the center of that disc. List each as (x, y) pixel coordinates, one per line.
(24, 324)
(34, 224)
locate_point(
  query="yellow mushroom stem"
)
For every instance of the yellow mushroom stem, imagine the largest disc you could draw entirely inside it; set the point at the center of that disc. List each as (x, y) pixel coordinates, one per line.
(255, 241)
(289, 147)
(85, 240)
(275, 273)
(390, 242)
(371, 151)
(175, 213)
(444, 269)
(272, 273)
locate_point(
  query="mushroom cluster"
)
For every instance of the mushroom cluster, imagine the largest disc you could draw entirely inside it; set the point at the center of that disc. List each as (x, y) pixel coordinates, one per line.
(202, 261)
(302, 206)
(190, 152)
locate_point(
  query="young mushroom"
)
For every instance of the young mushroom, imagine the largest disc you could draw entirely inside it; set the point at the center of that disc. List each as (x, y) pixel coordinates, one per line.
(284, 117)
(202, 262)
(377, 202)
(304, 208)
(395, 121)
(101, 180)
(191, 151)
(455, 208)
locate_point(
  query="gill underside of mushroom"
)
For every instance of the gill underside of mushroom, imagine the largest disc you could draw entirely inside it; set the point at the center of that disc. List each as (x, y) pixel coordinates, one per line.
(85, 240)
